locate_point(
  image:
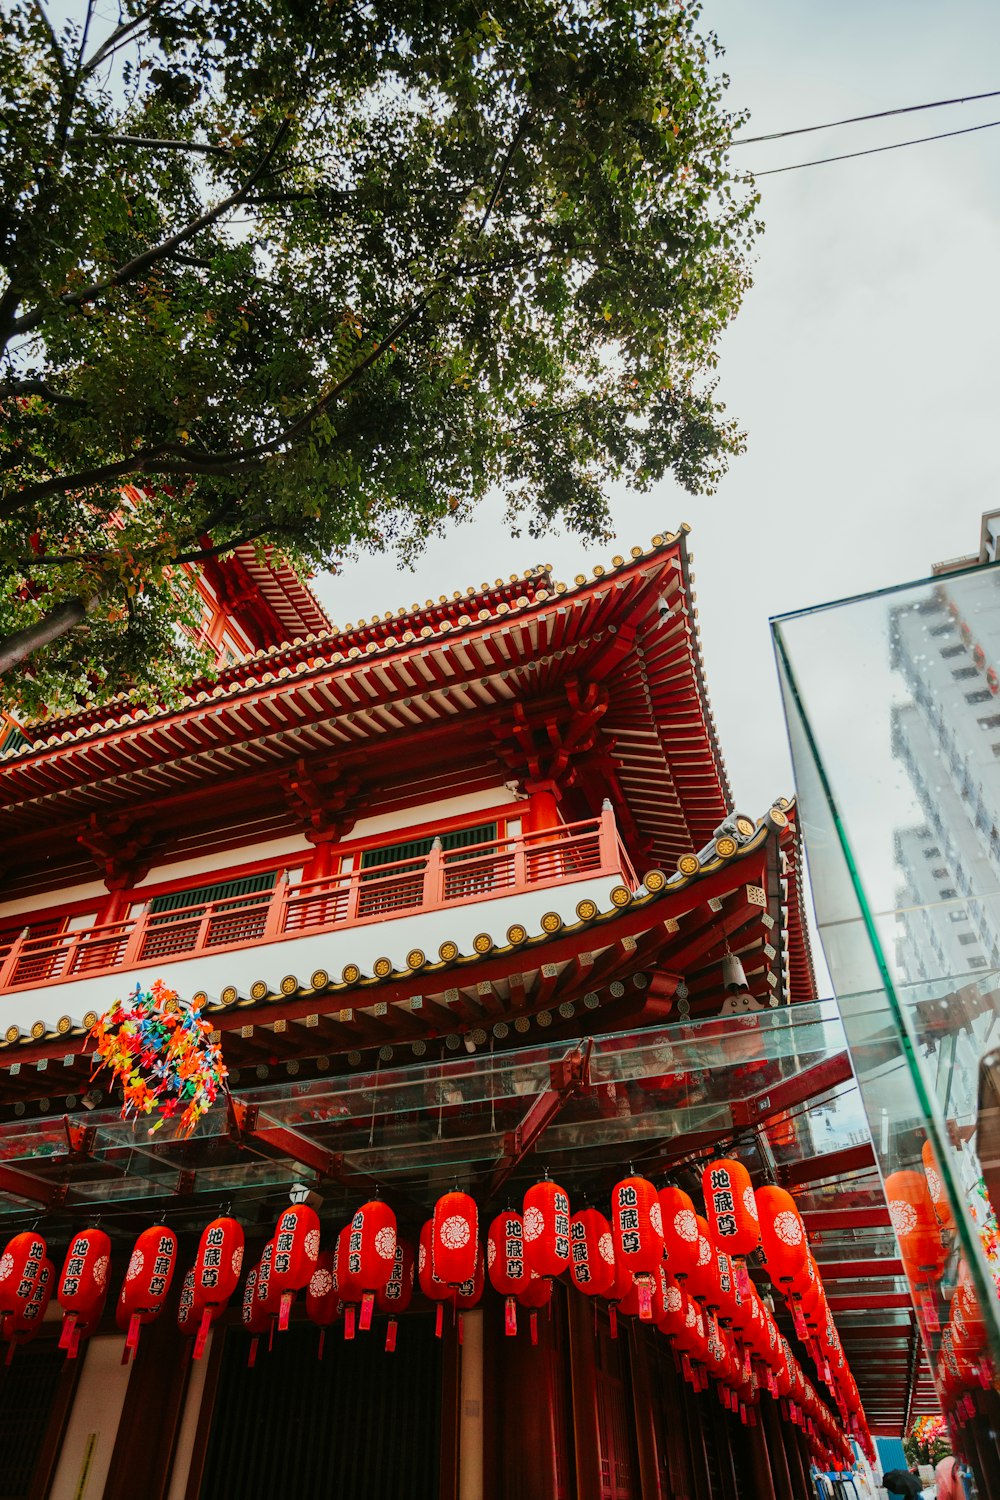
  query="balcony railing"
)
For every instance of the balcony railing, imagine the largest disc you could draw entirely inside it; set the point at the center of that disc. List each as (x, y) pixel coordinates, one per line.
(442, 878)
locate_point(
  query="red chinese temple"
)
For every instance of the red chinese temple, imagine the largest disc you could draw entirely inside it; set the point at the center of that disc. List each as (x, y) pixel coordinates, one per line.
(463, 896)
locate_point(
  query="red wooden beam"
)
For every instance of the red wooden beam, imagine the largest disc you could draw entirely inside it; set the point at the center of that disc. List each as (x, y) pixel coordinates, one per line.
(830, 1164)
(807, 1084)
(566, 1076)
(856, 1270)
(35, 1189)
(817, 1220)
(874, 1302)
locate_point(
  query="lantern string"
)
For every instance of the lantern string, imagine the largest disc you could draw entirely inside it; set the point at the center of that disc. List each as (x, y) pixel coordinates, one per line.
(493, 1092)
(371, 1132)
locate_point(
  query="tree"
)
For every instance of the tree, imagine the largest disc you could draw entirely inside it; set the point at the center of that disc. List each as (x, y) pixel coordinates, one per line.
(319, 274)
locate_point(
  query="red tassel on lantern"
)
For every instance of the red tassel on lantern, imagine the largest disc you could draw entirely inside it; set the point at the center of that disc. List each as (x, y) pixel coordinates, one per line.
(505, 1263)
(322, 1298)
(397, 1294)
(432, 1288)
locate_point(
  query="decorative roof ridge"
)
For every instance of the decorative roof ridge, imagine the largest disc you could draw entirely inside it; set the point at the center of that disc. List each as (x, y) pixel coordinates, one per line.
(687, 558)
(737, 838)
(312, 653)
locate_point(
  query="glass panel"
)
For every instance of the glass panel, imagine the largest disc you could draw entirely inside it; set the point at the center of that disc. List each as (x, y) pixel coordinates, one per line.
(891, 703)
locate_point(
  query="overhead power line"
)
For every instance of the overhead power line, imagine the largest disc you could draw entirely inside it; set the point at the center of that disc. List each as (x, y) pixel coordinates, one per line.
(874, 150)
(882, 114)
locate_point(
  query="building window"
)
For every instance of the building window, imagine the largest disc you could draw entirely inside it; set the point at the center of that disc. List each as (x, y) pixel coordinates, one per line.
(940, 873)
(990, 721)
(961, 674)
(977, 963)
(947, 893)
(956, 650)
(981, 695)
(959, 914)
(934, 853)
(965, 938)
(945, 629)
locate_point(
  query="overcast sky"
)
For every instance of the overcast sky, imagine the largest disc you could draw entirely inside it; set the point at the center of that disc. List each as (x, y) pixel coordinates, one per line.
(863, 363)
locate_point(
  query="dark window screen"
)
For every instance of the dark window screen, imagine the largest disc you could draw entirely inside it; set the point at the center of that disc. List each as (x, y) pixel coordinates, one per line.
(203, 895)
(28, 1393)
(358, 1422)
(461, 838)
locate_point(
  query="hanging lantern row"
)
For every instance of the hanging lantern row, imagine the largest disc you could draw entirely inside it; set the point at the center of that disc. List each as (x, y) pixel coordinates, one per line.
(656, 1259)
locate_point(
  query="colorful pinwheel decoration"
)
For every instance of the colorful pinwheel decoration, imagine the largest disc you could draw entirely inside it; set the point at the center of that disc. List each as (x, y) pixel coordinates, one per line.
(160, 1049)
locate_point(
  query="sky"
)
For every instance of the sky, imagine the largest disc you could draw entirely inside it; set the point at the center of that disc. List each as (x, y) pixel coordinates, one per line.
(862, 365)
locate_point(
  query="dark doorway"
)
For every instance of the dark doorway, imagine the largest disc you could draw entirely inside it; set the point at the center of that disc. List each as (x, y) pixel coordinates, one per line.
(358, 1422)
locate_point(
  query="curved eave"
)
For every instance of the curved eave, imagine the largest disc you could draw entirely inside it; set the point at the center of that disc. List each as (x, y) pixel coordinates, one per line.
(710, 874)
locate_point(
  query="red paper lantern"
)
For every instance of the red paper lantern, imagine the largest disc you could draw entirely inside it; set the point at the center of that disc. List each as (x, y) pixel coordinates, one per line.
(19, 1266)
(83, 1286)
(258, 1309)
(536, 1293)
(217, 1269)
(505, 1263)
(296, 1250)
(782, 1235)
(730, 1207)
(936, 1187)
(188, 1315)
(267, 1295)
(680, 1231)
(21, 1325)
(638, 1235)
(668, 1306)
(702, 1278)
(915, 1223)
(436, 1290)
(371, 1251)
(395, 1297)
(592, 1252)
(322, 1297)
(454, 1238)
(147, 1281)
(546, 1228)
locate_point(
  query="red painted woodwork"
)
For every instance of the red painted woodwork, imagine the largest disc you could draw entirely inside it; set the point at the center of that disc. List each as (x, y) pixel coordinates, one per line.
(550, 857)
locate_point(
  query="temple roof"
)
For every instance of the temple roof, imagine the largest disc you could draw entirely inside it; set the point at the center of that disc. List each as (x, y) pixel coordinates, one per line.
(620, 646)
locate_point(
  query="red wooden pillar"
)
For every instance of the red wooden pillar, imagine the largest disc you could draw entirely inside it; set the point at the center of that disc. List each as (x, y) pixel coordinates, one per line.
(154, 1400)
(721, 1429)
(771, 1425)
(586, 1417)
(644, 1406)
(679, 1483)
(451, 1395)
(55, 1431)
(691, 1415)
(757, 1447)
(543, 805)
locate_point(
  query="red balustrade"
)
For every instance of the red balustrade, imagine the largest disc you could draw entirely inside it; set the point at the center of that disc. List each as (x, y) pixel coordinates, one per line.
(355, 895)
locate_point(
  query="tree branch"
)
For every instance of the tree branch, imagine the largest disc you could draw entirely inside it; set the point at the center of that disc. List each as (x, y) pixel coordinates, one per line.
(150, 142)
(37, 388)
(139, 263)
(56, 622)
